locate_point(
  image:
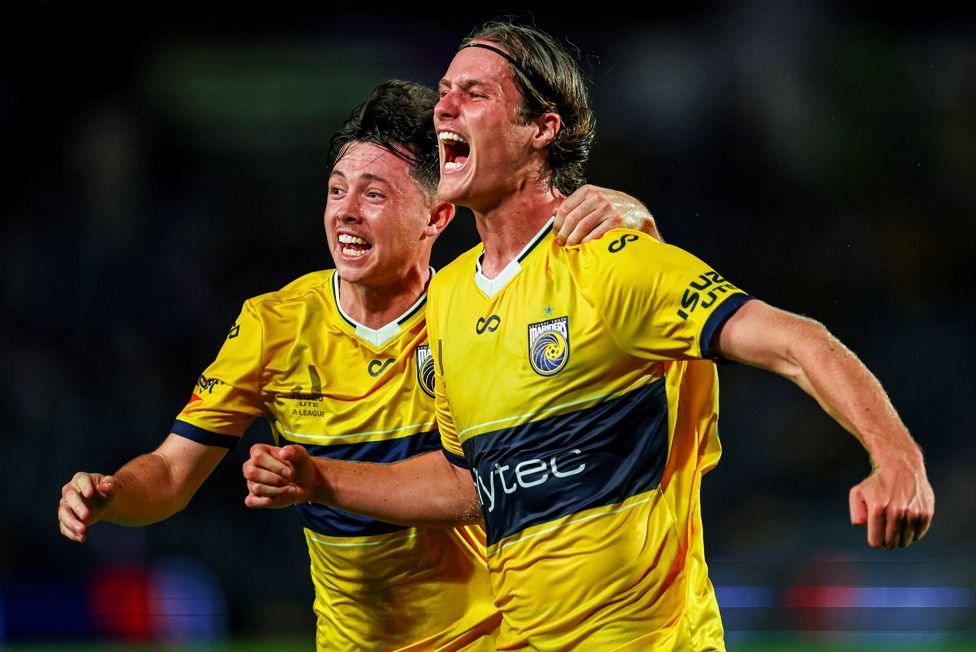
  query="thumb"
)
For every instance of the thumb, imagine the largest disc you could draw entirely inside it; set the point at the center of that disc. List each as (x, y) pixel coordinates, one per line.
(107, 486)
(859, 508)
(292, 453)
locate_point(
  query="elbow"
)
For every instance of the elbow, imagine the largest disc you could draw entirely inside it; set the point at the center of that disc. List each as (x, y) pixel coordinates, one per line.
(809, 340)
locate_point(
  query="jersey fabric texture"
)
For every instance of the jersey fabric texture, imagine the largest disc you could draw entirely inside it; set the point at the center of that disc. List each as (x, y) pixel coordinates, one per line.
(577, 387)
(346, 391)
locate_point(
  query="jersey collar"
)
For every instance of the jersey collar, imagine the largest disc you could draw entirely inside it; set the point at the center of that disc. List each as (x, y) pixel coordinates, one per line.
(383, 334)
(492, 286)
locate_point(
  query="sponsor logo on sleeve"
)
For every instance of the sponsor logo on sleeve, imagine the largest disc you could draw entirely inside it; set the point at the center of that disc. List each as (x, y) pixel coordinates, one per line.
(234, 331)
(207, 384)
(695, 296)
(549, 346)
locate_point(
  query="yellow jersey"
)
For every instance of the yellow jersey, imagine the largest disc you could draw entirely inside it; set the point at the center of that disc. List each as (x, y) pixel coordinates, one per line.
(346, 391)
(577, 387)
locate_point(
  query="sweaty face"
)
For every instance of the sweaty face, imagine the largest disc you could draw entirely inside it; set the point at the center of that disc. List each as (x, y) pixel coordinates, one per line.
(374, 216)
(484, 150)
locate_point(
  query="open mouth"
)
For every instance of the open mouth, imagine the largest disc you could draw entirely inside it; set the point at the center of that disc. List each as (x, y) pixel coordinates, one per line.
(456, 150)
(353, 246)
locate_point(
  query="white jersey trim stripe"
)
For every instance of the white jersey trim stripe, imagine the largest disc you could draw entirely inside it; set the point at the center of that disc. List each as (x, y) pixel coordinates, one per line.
(299, 435)
(360, 544)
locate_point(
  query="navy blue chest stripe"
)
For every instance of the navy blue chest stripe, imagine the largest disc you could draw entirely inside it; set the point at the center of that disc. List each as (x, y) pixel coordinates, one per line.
(337, 523)
(544, 470)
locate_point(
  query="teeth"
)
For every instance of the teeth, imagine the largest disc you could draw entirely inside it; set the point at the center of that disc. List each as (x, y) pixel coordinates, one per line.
(345, 238)
(452, 165)
(450, 135)
(349, 251)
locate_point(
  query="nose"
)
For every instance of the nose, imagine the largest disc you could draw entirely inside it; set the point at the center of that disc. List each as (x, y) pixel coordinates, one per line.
(446, 107)
(344, 210)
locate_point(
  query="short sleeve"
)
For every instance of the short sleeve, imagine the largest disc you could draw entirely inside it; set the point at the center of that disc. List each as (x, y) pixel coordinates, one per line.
(450, 444)
(658, 301)
(227, 397)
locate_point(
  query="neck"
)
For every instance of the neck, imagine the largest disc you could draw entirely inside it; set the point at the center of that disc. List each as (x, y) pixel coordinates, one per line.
(507, 227)
(377, 305)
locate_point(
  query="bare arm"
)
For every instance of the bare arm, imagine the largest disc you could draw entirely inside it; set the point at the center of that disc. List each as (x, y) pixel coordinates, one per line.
(425, 490)
(148, 489)
(895, 501)
(591, 211)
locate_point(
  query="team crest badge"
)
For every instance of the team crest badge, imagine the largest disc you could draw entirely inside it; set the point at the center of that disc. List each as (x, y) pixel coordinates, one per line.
(425, 369)
(549, 346)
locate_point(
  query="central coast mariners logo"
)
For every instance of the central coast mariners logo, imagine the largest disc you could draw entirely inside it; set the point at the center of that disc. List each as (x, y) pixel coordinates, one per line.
(549, 346)
(425, 369)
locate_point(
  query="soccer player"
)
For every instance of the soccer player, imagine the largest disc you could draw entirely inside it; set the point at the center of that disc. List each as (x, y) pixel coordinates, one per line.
(576, 386)
(337, 361)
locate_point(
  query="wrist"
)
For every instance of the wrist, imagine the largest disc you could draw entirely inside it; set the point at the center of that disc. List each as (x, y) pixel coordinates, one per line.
(321, 490)
(910, 455)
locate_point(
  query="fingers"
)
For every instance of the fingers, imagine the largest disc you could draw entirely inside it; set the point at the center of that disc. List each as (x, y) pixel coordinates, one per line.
(876, 525)
(584, 218)
(596, 233)
(257, 502)
(859, 509)
(257, 475)
(921, 527)
(106, 487)
(72, 498)
(71, 526)
(263, 456)
(293, 454)
(892, 528)
(83, 483)
(270, 491)
(570, 203)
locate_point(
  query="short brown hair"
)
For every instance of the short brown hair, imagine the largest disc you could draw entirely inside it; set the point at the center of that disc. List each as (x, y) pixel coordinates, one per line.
(550, 81)
(399, 117)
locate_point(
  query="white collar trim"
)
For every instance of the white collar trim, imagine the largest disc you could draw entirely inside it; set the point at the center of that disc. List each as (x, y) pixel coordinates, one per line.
(383, 334)
(492, 286)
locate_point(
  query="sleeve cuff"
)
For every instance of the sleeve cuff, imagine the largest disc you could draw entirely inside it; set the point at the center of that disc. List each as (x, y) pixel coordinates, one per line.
(205, 437)
(715, 321)
(456, 460)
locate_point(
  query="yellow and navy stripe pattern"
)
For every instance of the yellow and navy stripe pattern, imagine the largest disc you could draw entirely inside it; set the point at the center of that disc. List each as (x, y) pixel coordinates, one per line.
(588, 444)
(346, 391)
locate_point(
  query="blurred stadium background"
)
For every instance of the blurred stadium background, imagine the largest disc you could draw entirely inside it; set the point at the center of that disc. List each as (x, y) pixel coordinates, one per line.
(166, 161)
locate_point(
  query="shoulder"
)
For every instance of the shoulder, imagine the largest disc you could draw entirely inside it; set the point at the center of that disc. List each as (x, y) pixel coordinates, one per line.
(624, 255)
(619, 246)
(457, 270)
(302, 289)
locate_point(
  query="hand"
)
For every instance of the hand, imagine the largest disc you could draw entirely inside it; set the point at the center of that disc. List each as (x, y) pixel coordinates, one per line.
(895, 502)
(591, 211)
(278, 477)
(83, 503)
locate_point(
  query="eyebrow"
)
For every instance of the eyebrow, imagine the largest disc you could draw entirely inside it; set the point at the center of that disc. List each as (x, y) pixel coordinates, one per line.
(464, 84)
(367, 175)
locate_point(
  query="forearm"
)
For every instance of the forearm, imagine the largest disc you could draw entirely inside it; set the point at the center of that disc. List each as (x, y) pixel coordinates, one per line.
(148, 492)
(830, 372)
(423, 491)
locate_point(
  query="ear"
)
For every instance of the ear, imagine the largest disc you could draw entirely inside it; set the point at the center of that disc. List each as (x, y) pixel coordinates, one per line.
(547, 127)
(441, 214)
